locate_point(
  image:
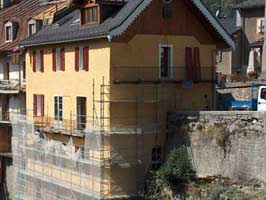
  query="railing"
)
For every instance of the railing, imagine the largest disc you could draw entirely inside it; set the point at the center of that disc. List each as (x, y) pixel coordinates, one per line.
(79, 125)
(74, 125)
(6, 115)
(151, 73)
(12, 85)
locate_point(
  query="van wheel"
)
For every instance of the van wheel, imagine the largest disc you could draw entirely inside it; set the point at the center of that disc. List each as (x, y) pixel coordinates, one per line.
(230, 109)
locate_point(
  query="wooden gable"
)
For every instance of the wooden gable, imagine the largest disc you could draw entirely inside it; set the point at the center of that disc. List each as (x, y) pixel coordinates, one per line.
(180, 17)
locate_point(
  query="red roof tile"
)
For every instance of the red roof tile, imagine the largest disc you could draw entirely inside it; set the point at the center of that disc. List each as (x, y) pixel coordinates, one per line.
(20, 13)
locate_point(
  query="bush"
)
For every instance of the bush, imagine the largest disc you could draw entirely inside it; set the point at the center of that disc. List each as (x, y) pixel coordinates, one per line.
(177, 168)
(172, 175)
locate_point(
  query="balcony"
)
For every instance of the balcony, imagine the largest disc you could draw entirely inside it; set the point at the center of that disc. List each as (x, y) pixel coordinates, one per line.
(65, 126)
(79, 126)
(12, 86)
(149, 74)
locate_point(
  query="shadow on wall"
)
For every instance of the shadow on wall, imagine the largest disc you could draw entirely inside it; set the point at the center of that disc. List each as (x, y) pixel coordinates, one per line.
(222, 98)
(6, 178)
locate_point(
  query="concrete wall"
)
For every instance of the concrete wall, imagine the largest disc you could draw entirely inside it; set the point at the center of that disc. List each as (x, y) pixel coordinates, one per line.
(230, 144)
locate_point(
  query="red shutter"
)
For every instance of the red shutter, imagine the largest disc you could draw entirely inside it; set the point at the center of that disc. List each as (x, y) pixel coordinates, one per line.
(62, 56)
(34, 61)
(41, 61)
(35, 105)
(86, 58)
(54, 60)
(197, 67)
(77, 59)
(42, 104)
(189, 64)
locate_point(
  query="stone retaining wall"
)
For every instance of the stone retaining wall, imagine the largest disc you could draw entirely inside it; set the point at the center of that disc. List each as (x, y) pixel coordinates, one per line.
(230, 144)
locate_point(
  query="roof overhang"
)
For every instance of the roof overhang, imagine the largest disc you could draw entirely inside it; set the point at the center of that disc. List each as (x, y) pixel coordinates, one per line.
(202, 8)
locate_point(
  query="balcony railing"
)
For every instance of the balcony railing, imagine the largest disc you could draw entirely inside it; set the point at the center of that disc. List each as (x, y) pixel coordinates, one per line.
(80, 125)
(13, 85)
(153, 74)
(7, 115)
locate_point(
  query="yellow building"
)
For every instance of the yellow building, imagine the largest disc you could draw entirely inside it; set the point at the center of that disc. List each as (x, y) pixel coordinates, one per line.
(101, 81)
(18, 21)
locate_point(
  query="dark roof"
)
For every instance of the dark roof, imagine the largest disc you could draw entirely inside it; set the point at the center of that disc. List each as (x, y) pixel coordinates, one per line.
(68, 28)
(70, 31)
(229, 24)
(18, 13)
(251, 4)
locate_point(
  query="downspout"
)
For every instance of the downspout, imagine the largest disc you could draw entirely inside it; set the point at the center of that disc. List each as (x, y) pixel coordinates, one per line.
(263, 65)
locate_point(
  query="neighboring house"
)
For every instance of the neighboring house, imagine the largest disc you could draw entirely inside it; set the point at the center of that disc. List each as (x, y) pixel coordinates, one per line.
(251, 17)
(229, 60)
(17, 22)
(113, 69)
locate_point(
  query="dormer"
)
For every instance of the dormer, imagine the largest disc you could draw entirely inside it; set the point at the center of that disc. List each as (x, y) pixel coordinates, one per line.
(11, 29)
(34, 25)
(96, 11)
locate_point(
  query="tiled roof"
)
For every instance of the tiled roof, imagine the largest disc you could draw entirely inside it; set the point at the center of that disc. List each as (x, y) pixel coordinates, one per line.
(69, 31)
(18, 13)
(65, 30)
(251, 4)
(229, 24)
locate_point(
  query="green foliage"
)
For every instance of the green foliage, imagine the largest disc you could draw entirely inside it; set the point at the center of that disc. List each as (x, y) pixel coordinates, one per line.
(171, 177)
(177, 168)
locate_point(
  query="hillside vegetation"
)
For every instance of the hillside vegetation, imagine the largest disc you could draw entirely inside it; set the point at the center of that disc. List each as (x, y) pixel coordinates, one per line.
(225, 6)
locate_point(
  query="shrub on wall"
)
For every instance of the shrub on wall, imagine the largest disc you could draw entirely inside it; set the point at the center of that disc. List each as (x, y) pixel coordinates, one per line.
(172, 176)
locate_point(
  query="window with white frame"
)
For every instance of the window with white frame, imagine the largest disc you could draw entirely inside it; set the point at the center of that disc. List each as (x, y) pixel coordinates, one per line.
(8, 32)
(31, 28)
(166, 61)
(261, 25)
(38, 103)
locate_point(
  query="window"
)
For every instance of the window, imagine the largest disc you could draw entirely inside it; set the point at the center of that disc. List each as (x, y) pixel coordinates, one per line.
(263, 94)
(38, 105)
(8, 33)
(32, 29)
(45, 22)
(37, 61)
(166, 61)
(261, 25)
(82, 58)
(58, 59)
(193, 66)
(89, 15)
(81, 112)
(156, 158)
(58, 108)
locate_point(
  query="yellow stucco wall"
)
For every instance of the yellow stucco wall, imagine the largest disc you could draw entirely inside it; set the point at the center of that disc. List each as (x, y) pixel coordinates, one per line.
(69, 83)
(139, 60)
(104, 57)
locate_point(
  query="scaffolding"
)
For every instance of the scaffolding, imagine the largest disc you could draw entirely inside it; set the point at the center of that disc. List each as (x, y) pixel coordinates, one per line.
(51, 170)
(48, 169)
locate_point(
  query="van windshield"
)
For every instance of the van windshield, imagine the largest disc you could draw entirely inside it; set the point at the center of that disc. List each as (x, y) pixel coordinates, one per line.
(263, 93)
